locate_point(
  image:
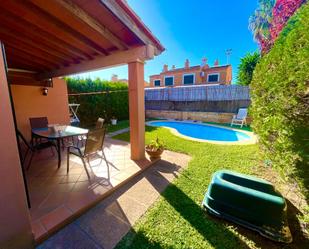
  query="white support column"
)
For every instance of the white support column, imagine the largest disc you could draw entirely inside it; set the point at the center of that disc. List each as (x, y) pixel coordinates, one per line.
(137, 109)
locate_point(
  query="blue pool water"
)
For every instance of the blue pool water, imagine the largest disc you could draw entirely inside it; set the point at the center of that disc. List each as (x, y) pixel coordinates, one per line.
(203, 131)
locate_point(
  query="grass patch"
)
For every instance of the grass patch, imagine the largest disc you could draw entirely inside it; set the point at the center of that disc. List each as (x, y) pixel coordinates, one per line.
(122, 125)
(177, 220)
(119, 126)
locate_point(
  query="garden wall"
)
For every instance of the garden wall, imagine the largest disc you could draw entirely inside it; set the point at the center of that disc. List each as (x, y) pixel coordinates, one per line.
(197, 106)
(205, 103)
(30, 102)
(201, 116)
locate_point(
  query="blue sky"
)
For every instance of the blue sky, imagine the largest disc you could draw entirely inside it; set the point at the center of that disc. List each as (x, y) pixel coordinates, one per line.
(193, 29)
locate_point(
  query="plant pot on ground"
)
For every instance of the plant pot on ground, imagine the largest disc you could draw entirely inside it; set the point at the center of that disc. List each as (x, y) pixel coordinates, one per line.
(114, 121)
(155, 149)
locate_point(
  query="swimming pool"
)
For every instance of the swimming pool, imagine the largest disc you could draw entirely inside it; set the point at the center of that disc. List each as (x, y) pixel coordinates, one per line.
(204, 131)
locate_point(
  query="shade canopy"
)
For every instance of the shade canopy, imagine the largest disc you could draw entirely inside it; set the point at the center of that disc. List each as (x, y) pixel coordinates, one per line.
(45, 39)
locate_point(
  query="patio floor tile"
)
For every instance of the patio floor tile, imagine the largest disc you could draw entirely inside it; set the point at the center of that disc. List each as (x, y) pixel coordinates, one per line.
(52, 219)
(127, 209)
(38, 229)
(112, 218)
(103, 225)
(70, 237)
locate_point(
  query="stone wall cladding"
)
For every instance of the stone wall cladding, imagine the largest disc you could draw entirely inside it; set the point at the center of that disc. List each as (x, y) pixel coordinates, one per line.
(200, 116)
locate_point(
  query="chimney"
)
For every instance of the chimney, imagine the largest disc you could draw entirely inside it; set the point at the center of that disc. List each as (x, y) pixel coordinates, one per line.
(114, 78)
(216, 63)
(165, 68)
(204, 64)
(187, 63)
(173, 67)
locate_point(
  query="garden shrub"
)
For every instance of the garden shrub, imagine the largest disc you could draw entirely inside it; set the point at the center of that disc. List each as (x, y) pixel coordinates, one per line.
(280, 99)
(112, 102)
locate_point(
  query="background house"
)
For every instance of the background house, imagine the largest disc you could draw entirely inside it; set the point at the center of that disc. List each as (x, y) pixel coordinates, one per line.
(192, 75)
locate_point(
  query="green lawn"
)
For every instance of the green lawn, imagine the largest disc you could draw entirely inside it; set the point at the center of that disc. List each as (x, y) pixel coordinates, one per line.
(177, 219)
(119, 126)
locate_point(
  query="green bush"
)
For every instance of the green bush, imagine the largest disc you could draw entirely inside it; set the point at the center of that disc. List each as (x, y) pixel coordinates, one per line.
(280, 99)
(112, 102)
(246, 68)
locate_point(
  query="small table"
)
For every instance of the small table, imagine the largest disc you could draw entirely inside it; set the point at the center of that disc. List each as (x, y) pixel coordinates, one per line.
(58, 133)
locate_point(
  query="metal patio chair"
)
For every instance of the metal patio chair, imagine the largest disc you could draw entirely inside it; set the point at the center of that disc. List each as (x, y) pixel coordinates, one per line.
(99, 124)
(37, 123)
(93, 145)
(33, 148)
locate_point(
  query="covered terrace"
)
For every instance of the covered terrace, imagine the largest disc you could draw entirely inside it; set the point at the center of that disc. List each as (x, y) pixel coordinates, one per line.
(40, 42)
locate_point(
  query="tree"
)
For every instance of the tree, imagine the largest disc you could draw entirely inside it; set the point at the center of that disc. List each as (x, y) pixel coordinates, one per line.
(260, 22)
(246, 68)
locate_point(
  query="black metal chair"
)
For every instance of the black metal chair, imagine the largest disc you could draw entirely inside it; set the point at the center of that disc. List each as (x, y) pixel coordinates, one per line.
(94, 144)
(33, 147)
(22, 140)
(37, 123)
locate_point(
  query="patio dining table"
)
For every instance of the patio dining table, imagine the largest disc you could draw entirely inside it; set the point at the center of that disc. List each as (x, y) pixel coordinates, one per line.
(57, 133)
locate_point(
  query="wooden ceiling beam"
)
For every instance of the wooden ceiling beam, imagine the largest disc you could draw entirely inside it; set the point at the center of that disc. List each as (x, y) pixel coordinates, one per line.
(21, 63)
(67, 11)
(44, 21)
(61, 18)
(125, 19)
(13, 41)
(29, 41)
(25, 28)
(14, 49)
(141, 53)
(18, 77)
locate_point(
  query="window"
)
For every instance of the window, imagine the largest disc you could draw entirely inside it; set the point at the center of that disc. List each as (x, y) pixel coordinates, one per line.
(188, 79)
(169, 80)
(215, 77)
(157, 82)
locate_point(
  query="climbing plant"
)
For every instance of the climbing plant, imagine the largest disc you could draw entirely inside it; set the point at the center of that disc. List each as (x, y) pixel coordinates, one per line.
(270, 18)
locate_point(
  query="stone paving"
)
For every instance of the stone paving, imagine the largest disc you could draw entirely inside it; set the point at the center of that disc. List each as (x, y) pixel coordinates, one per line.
(57, 196)
(104, 225)
(115, 133)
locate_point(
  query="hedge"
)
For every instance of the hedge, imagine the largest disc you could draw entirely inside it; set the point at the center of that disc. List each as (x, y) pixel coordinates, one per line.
(107, 99)
(280, 99)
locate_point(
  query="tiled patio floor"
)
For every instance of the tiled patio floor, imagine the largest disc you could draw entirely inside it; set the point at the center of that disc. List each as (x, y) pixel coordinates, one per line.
(57, 197)
(103, 226)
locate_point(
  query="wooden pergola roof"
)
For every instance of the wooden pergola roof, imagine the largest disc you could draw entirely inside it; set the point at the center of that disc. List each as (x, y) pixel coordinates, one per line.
(45, 39)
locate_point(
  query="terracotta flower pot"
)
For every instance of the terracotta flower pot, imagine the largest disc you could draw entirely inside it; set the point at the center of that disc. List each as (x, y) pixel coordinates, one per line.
(153, 153)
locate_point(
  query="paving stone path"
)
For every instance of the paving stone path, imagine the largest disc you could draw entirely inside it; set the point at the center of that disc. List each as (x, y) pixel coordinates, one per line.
(115, 133)
(104, 225)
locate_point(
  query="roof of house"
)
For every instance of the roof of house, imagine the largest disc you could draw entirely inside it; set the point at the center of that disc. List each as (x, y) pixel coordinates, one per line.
(188, 69)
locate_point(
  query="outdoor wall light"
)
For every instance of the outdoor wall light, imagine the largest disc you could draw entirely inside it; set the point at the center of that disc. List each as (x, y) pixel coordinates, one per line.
(48, 83)
(45, 91)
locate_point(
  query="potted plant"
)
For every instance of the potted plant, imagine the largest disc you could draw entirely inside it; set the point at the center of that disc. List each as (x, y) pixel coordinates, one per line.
(114, 120)
(155, 148)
